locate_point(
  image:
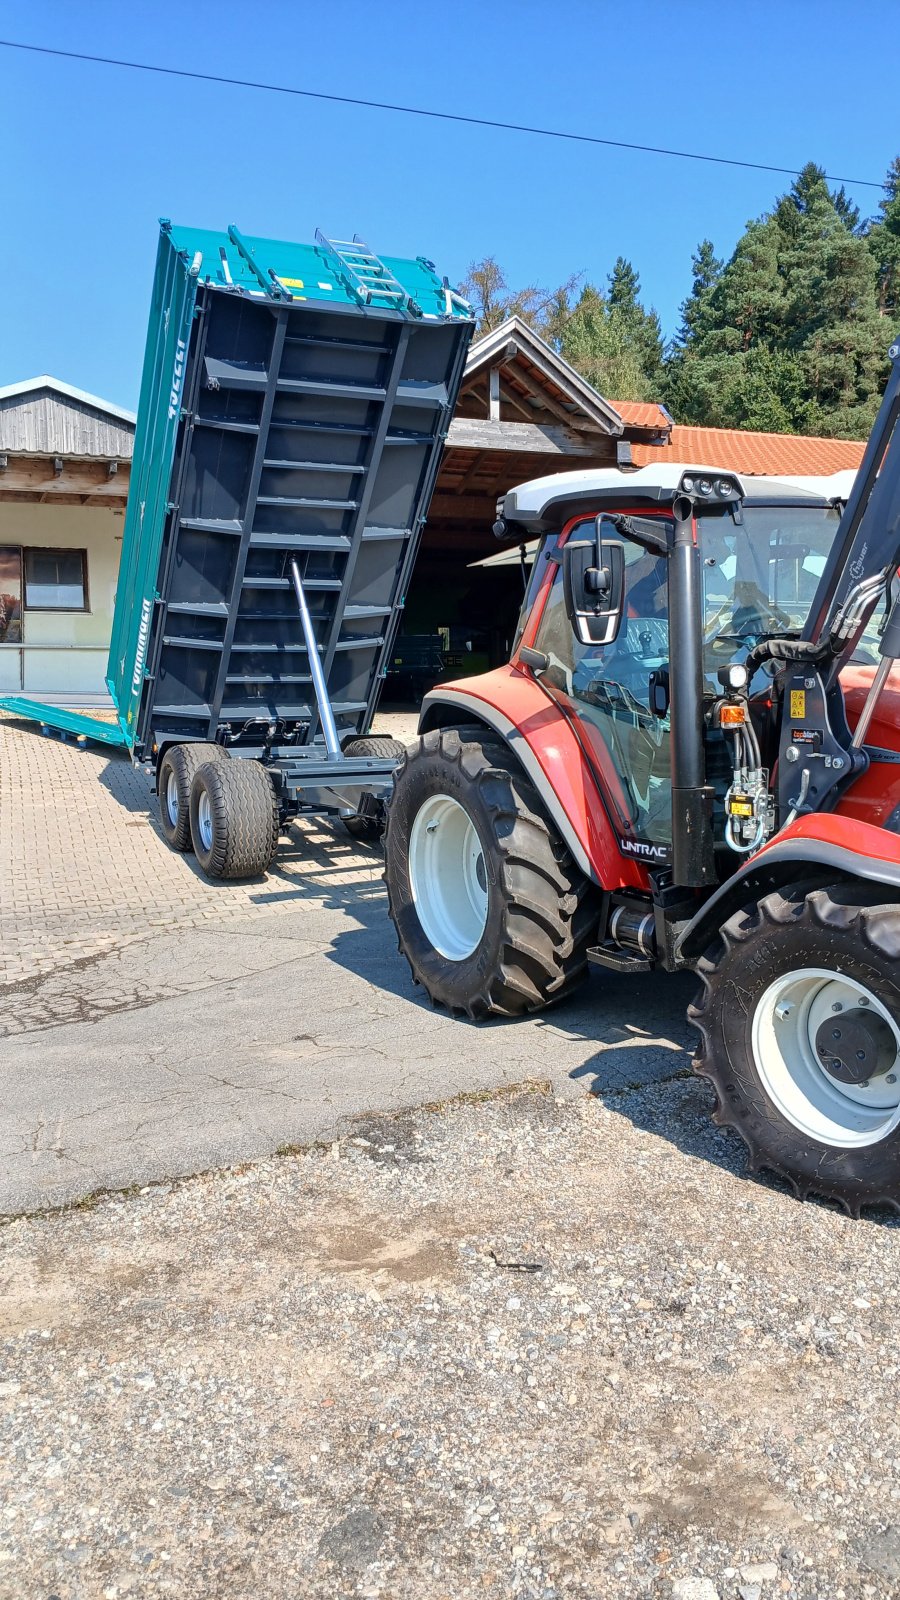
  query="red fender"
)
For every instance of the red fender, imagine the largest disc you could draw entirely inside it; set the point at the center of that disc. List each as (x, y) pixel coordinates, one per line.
(544, 742)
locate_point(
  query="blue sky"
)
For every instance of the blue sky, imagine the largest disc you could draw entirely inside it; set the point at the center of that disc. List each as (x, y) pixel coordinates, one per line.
(93, 155)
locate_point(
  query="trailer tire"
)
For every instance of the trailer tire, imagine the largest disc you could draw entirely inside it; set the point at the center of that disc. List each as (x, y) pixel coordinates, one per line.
(234, 819)
(539, 911)
(174, 777)
(786, 977)
(369, 825)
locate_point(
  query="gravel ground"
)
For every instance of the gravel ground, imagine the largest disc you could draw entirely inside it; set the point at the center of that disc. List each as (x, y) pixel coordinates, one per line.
(507, 1347)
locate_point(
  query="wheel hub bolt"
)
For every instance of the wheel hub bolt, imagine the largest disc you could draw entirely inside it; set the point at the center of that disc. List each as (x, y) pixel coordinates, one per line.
(837, 1006)
(891, 1077)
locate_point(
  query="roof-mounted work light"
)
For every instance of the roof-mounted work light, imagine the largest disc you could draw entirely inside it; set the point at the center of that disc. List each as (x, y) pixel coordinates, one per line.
(706, 486)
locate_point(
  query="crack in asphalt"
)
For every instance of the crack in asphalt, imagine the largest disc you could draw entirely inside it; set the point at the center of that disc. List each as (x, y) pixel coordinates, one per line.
(85, 1009)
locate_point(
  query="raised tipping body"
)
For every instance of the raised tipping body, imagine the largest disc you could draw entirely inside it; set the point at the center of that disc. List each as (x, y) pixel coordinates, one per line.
(294, 404)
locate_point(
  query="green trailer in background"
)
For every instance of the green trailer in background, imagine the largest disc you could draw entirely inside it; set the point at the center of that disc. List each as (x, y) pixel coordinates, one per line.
(294, 403)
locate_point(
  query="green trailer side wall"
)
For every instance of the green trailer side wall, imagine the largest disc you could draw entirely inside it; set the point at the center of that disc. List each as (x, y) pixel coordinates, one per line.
(171, 310)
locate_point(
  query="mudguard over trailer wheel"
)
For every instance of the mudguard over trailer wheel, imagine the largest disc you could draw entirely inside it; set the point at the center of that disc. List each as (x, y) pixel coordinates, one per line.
(173, 782)
(798, 1019)
(234, 819)
(491, 912)
(370, 825)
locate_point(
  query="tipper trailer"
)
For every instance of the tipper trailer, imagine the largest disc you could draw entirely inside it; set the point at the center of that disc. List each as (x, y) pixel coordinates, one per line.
(692, 760)
(294, 403)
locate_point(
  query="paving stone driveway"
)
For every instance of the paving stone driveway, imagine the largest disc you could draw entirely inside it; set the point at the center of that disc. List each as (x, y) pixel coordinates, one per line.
(153, 1023)
(84, 866)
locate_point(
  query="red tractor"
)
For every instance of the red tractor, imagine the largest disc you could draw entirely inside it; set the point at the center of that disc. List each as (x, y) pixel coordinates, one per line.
(691, 760)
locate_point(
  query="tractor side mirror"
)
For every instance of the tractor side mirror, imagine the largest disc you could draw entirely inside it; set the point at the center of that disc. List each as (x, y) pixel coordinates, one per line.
(594, 588)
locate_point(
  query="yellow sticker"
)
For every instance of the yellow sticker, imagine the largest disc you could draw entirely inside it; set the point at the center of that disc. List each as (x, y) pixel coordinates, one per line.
(292, 283)
(798, 703)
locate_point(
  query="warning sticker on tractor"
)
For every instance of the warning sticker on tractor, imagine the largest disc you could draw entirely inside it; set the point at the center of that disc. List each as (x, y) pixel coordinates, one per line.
(292, 283)
(798, 703)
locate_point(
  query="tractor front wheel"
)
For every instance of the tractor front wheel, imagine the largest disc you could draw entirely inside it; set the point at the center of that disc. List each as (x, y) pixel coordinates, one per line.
(491, 912)
(799, 1018)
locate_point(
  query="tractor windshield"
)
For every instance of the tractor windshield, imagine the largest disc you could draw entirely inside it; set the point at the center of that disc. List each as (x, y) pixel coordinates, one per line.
(761, 575)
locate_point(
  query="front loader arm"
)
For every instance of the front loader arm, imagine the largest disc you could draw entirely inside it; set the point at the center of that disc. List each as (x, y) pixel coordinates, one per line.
(867, 544)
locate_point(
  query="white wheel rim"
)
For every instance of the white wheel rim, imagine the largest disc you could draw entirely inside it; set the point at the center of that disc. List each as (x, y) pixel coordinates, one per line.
(792, 1013)
(204, 821)
(448, 878)
(172, 798)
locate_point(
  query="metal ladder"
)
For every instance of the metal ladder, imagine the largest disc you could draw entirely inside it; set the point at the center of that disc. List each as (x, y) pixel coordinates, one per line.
(365, 273)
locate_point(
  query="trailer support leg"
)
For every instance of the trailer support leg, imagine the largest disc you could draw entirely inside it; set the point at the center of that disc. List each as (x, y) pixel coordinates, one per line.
(326, 715)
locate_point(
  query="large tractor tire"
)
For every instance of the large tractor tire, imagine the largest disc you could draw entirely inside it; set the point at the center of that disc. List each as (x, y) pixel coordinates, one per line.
(799, 1019)
(491, 912)
(173, 783)
(234, 819)
(370, 825)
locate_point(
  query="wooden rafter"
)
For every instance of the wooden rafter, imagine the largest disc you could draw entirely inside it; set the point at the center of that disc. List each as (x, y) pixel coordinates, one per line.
(43, 479)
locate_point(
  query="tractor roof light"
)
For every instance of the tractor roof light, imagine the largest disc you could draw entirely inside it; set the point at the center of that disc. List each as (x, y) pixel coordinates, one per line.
(710, 487)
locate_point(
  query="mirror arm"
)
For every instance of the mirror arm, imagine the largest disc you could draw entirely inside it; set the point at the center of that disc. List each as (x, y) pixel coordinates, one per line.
(535, 659)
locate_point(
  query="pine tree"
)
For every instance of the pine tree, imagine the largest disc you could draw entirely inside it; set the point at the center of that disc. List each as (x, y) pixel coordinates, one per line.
(612, 340)
(706, 270)
(600, 345)
(884, 243)
(830, 310)
(787, 335)
(634, 328)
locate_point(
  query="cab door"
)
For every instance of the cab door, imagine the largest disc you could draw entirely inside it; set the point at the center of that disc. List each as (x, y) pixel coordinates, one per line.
(606, 691)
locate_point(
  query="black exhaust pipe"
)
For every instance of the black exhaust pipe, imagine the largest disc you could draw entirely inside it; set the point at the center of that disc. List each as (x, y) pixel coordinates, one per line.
(693, 857)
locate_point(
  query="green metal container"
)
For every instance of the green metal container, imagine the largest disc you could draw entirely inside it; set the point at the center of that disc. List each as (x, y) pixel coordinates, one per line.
(294, 403)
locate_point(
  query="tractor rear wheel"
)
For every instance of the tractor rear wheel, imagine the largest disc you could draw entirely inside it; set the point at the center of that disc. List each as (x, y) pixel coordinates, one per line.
(234, 819)
(491, 912)
(370, 825)
(173, 783)
(799, 1019)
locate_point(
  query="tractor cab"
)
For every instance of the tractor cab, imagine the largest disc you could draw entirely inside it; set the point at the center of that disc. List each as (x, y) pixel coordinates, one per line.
(596, 628)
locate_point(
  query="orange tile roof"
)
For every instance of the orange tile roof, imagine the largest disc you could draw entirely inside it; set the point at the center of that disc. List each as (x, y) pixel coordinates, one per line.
(763, 453)
(644, 414)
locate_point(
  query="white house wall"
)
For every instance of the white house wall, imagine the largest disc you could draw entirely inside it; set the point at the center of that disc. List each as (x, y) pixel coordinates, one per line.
(64, 652)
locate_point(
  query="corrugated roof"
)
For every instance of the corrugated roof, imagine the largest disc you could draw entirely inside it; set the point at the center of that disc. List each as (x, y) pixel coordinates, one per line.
(773, 454)
(44, 417)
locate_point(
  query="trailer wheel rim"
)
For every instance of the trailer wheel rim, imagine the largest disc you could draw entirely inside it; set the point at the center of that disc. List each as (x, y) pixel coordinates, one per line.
(205, 820)
(448, 877)
(795, 1014)
(172, 807)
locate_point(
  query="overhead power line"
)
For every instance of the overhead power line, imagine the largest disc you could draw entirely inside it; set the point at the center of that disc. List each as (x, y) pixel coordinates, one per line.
(421, 111)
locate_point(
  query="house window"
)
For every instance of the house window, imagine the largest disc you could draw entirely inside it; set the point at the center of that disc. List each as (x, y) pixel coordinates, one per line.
(56, 580)
(10, 595)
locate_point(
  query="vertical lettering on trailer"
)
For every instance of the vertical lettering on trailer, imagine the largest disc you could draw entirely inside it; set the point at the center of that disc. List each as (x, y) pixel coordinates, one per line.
(177, 379)
(143, 637)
